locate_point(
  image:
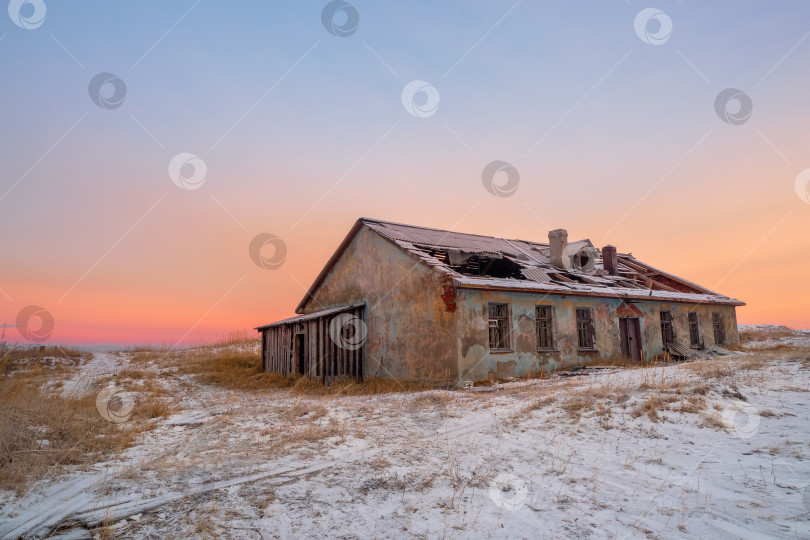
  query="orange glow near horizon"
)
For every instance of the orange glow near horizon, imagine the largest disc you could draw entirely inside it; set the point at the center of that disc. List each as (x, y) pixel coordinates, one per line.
(302, 132)
(204, 306)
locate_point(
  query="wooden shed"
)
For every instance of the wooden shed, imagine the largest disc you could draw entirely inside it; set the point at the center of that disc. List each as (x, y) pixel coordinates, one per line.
(325, 345)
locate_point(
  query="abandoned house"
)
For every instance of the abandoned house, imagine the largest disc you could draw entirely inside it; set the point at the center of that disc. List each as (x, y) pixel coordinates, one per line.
(419, 303)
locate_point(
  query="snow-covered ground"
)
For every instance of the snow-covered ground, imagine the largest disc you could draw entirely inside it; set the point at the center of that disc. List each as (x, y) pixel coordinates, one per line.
(715, 449)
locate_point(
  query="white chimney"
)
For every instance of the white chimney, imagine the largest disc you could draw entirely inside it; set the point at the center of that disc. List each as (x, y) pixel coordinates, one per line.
(558, 242)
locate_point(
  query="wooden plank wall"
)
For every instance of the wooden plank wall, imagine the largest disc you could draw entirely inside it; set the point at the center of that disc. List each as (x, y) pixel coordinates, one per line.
(323, 358)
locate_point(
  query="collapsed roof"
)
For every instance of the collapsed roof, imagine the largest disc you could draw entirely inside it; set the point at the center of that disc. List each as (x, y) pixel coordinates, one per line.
(558, 267)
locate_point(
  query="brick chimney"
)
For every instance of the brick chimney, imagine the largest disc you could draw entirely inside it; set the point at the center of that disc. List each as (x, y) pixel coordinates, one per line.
(557, 243)
(610, 260)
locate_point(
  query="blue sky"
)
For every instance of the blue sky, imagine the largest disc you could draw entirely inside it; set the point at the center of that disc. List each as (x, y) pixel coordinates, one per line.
(303, 131)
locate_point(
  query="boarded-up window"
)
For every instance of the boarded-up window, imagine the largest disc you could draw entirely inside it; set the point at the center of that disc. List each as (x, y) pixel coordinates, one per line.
(498, 326)
(719, 329)
(667, 335)
(694, 329)
(544, 324)
(584, 328)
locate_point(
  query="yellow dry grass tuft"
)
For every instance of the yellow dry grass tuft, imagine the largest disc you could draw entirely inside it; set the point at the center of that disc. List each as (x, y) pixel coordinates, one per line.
(750, 335)
(43, 430)
(33, 360)
(231, 367)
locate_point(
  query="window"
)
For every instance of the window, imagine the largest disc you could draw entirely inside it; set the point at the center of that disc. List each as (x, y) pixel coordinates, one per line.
(584, 328)
(719, 329)
(543, 322)
(694, 329)
(498, 326)
(667, 335)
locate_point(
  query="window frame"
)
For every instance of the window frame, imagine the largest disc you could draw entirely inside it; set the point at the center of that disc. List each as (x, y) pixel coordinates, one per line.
(667, 328)
(552, 341)
(719, 326)
(505, 321)
(694, 328)
(585, 327)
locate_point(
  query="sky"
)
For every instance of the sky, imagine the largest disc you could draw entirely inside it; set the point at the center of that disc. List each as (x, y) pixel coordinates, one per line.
(145, 144)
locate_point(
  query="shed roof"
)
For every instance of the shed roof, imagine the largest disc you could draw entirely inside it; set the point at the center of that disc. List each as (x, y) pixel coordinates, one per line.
(310, 316)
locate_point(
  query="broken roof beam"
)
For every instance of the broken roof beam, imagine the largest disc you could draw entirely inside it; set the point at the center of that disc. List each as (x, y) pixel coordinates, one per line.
(560, 277)
(645, 271)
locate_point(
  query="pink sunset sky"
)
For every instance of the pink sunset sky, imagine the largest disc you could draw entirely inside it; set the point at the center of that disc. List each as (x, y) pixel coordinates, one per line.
(616, 135)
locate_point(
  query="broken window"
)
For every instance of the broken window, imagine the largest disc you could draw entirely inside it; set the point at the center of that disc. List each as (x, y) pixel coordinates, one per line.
(719, 329)
(667, 335)
(543, 323)
(584, 328)
(498, 326)
(694, 329)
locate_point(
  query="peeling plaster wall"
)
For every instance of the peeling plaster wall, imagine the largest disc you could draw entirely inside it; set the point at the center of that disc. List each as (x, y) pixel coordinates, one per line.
(476, 362)
(680, 323)
(411, 332)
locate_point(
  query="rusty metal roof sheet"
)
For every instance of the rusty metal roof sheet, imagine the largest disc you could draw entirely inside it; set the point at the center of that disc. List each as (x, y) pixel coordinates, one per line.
(471, 243)
(310, 316)
(533, 272)
(535, 266)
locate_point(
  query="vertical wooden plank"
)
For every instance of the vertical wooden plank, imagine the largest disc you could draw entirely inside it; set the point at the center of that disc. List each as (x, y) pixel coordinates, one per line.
(320, 347)
(287, 353)
(261, 364)
(324, 348)
(274, 363)
(353, 368)
(272, 360)
(332, 359)
(312, 336)
(362, 367)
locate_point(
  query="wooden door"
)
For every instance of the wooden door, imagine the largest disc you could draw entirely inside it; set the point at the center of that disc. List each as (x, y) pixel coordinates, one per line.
(630, 334)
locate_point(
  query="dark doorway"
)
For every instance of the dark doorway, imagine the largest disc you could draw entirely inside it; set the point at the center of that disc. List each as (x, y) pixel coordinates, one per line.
(630, 330)
(299, 353)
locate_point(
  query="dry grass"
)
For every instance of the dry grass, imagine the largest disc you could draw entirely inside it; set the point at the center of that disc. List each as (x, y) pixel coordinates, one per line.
(603, 399)
(229, 368)
(715, 368)
(762, 334)
(241, 369)
(15, 359)
(657, 402)
(42, 430)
